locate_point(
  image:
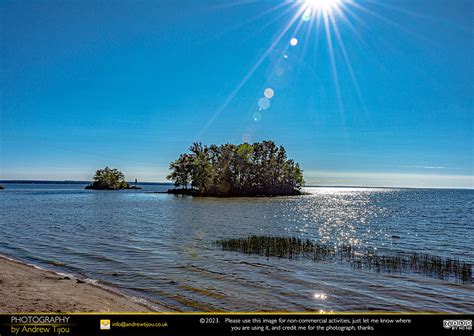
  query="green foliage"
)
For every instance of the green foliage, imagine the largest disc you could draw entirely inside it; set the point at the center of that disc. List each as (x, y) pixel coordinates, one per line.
(109, 179)
(261, 168)
(181, 171)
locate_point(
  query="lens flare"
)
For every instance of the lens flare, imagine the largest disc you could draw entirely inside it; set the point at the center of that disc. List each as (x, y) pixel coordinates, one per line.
(268, 93)
(307, 14)
(264, 103)
(257, 116)
(312, 21)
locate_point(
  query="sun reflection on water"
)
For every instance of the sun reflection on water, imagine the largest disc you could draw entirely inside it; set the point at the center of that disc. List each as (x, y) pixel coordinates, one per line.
(339, 216)
(320, 296)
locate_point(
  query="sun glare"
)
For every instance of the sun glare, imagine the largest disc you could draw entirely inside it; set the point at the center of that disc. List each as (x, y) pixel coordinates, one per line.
(312, 21)
(322, 5)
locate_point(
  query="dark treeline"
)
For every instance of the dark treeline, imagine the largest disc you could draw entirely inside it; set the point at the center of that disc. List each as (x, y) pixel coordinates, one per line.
(259, 169)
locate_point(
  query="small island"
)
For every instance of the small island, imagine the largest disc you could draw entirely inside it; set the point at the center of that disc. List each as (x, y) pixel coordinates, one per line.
(110, 179)
(259, 169)
(1, 187)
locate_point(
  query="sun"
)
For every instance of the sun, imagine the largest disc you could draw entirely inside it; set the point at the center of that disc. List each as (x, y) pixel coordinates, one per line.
(322, 5)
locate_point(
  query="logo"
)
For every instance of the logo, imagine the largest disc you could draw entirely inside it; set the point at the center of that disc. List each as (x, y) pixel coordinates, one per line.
(104, 324)
(457, 324)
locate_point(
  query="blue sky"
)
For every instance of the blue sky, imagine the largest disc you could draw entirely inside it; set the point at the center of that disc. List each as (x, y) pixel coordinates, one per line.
(383, 97)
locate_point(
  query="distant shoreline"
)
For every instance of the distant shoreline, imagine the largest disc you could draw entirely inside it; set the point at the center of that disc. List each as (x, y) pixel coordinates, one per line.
(72, 182)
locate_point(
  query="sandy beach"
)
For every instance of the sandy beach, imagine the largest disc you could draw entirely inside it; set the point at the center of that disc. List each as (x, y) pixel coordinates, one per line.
(24, 288)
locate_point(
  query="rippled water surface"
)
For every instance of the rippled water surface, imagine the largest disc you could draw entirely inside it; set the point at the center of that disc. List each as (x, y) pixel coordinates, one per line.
(161, 246)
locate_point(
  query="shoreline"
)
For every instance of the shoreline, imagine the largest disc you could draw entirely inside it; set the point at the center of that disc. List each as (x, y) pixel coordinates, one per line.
(195, 193)
(29, 288)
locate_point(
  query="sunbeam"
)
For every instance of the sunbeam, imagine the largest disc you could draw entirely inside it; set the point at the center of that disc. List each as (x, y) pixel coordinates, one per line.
(348, 64)
(332, 59)
(253, 69)
(313, 22)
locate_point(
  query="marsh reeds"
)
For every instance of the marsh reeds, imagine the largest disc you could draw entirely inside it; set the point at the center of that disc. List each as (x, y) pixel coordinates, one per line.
(294, 248)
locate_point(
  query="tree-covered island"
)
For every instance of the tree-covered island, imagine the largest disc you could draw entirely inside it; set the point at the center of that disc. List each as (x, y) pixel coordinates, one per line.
(259, 169)
(110, 179)
(1, 187)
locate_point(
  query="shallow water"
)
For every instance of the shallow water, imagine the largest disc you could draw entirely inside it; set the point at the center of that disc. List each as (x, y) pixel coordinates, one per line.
(161, 246)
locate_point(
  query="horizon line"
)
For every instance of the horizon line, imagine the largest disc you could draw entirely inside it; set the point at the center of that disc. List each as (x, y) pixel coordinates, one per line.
(20, 181)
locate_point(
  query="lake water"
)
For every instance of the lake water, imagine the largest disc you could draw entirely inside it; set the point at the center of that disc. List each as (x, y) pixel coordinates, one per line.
(161, 247)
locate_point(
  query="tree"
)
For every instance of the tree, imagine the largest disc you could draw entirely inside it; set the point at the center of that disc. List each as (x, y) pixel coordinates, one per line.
(109, 179)
(201, 167)
(181, 171)
(246, 169)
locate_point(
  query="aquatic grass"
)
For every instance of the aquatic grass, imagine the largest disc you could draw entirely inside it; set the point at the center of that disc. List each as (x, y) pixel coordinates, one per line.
(294, 248)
